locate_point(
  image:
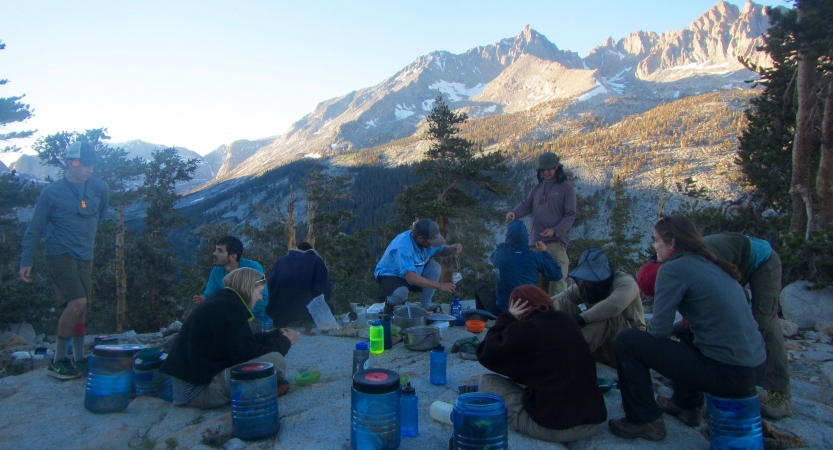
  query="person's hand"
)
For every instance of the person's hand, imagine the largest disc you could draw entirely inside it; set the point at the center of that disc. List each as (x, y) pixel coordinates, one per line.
(510, 216)
(25, 273)
(518, 307)
(447, 287)
(197, 299)
(549, 232)
(540, 246)
(458, 248)
(291, 334)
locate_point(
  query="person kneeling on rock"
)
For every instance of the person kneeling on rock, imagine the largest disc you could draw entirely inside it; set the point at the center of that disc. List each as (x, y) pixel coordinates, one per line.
(216, 336)
(542, 349)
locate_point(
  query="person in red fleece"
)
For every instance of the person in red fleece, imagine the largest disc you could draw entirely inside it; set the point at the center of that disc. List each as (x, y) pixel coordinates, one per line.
(533, 344)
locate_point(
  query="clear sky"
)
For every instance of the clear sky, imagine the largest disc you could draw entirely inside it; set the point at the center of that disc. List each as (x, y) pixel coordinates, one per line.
(200, 74)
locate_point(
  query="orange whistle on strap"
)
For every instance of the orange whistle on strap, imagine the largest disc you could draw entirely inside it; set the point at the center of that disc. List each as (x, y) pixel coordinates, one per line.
(83, 204)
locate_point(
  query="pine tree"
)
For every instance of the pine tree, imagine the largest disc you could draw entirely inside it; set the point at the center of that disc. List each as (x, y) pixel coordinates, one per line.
(12, 110)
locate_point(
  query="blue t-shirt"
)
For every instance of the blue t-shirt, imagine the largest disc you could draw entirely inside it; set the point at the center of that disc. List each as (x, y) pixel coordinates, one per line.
(403, 255)
(215, 283)
(761, 252)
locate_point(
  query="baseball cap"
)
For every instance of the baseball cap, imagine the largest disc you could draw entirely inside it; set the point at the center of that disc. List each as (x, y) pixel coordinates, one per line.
(593, 266)
(429, 229)
(82, 151)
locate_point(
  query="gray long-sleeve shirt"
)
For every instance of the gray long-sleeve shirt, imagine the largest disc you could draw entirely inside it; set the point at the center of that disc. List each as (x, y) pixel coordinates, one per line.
(71, 226)
(715, 306)
(557, 211)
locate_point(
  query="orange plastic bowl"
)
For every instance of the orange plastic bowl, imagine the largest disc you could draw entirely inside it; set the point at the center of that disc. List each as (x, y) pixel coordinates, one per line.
(475, 326)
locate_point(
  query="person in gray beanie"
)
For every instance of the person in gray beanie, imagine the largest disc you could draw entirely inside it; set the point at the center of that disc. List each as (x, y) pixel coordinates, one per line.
(612, 301)
(552, 204)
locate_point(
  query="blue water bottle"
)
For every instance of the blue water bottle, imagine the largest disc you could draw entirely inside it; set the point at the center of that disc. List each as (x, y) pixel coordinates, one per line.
(438, 358)
(456, 310)
(409, 412)
(385, 319)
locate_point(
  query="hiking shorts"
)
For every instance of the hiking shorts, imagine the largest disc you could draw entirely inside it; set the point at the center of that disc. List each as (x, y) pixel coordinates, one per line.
(70, 278)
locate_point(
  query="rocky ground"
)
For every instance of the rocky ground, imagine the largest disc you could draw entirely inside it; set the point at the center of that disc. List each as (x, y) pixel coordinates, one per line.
(37, 411)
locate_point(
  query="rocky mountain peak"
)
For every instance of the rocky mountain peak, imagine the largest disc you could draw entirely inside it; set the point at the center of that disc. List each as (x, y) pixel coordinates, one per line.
(718, 19)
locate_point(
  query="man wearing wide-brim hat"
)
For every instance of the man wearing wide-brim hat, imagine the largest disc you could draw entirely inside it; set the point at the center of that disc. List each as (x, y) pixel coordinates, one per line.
(552, 204)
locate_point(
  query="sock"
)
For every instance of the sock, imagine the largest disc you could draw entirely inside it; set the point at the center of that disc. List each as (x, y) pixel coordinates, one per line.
(61, 348)
(78, 347)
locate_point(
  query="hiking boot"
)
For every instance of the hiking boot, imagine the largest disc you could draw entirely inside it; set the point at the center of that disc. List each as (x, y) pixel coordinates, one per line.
(62, 369)
(690, 416)
(652, 431)
(388, 308)
(83, 367)
(776, 406)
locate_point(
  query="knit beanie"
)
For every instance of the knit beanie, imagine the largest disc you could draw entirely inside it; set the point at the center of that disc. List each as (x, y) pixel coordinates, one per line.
(646, 278)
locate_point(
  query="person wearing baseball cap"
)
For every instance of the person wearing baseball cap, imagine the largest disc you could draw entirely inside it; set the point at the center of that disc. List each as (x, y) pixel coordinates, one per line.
(406, 266)
(552, 204)
(74, 205)
(612, 301)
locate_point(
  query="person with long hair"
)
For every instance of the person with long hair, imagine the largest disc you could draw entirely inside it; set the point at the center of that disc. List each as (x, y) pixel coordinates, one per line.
(543, 349)
(216, 336)
(726, 357)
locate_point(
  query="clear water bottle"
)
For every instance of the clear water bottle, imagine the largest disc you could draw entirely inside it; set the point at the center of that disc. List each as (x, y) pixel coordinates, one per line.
(377, 337)
(375, 414)
(110, 379)
(409, 412)
(254, 401)
(479, 422)
(735, 423)
(361, 356)
(456, 309)
(385, 319)
(438, 361)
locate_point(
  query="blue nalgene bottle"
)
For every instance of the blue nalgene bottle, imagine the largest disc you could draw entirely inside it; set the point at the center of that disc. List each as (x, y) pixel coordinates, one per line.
(479, 422)
(374, 404)
(456, 309)
(409, 412)
(385, 319)
(110, 379)
(438, 359)
(254, 401)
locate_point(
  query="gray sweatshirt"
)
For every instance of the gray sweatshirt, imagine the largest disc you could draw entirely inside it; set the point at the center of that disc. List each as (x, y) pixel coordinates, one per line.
(552, 205)
(715, 306)
(71, 225)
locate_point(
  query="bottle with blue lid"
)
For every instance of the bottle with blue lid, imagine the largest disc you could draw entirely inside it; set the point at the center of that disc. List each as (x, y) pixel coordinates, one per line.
(456, 310)
(409, 412)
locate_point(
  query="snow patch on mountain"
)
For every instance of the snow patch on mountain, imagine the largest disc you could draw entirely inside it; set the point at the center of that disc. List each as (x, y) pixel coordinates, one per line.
(456, 91)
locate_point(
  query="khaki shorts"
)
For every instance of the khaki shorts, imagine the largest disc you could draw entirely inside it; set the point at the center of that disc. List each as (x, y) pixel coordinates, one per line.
(70, 278)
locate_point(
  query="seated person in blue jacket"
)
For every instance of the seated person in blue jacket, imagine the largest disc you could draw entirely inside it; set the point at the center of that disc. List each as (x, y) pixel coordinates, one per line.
(517, 265)
(227, 256)
(406, 264)
(216, 337)
(295, 279)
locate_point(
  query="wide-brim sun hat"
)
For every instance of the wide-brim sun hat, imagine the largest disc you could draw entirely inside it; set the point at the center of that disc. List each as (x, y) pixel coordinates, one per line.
(593, 266)
(548, 160)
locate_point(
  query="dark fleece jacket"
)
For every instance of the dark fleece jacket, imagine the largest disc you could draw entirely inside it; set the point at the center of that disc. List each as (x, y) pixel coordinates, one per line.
(295, 279)
(518, 265)
(216, 336)
(547, 352)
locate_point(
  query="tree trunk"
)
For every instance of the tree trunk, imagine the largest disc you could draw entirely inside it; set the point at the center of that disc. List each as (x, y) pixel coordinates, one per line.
(289, 228)
(802, 203)
(121, 277)
(447, 262)
(824, 180)
(312, 209)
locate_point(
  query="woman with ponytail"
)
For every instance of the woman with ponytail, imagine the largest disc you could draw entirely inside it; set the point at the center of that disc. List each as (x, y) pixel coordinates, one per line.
(534, 345)
(726, 357)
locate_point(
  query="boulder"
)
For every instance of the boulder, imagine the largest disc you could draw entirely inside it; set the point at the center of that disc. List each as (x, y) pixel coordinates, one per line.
(806, 307)
(10, 340)
(788, 329)
(23, 330)
(825, 327)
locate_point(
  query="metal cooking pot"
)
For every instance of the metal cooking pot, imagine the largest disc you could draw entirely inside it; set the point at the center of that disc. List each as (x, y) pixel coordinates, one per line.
(421, 338)
(417, 319)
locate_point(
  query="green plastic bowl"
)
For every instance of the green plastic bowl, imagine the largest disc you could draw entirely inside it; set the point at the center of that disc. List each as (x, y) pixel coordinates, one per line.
(395, 330)
(150, 354)
(308, 377)
(606, 385)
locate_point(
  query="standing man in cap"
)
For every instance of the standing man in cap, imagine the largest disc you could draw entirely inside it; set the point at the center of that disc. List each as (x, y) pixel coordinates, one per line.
(552, 204)
(73, 206)
(405, 266)
(612, 301)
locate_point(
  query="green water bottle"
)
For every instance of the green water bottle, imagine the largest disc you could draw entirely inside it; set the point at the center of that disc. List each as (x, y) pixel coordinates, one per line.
(377, 337)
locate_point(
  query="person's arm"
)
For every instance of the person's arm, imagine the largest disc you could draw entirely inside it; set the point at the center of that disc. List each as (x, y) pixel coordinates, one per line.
(215, 281)
(524, 208)
(547, 264)
(39, 220)
(420, 281)
(571, 294)
(623, 293)
(670, 289)
(449, 250)
(240, 342)
(569, 214)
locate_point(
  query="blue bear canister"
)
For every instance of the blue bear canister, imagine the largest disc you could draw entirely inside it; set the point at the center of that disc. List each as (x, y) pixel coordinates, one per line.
(110, 379)
(480, 422)
(375, 414)
(150, 382)
(735, 423)
(254, 401)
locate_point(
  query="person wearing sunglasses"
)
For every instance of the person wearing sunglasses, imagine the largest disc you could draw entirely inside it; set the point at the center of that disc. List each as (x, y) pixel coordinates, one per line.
(74, 206)
(216, 337)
